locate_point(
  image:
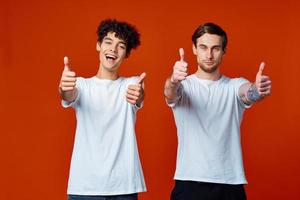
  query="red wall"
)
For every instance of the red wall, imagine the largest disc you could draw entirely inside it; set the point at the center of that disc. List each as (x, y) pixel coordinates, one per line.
(37, 133)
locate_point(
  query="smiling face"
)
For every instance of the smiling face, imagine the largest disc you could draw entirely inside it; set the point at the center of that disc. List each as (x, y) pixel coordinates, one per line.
(112, 52)
(209, 52)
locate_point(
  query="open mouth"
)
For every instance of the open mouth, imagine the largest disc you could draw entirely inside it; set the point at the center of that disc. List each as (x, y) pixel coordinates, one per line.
(110, 58)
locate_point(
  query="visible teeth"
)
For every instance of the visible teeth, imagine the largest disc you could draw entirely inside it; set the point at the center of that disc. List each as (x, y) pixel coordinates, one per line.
(111, 57)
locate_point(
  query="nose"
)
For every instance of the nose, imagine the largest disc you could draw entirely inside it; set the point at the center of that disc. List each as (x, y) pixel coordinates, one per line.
(209, 54)
(113, 48)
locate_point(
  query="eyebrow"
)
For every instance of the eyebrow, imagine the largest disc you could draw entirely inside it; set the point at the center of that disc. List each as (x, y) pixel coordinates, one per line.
(107, 38)
(110, 39)
(123, 42)
(211, 47)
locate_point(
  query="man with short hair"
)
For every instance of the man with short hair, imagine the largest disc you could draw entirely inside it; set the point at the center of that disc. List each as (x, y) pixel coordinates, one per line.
(208, 109)
(105, 162)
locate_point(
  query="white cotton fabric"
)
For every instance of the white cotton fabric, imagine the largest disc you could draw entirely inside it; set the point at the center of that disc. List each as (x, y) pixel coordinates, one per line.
(208, 117)
(105, 158)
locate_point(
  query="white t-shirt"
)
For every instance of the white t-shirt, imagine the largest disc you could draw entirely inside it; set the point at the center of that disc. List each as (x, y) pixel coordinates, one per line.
(208, 117)
(105, 158)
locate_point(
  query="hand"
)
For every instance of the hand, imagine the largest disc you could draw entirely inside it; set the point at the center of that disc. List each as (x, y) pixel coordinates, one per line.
(180, 69)
(68, 79)
(135, 93)
(262, 82)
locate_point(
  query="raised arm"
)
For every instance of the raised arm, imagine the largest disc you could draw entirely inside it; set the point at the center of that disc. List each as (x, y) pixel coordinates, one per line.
(173, 83)
(67, 85)
(253, 92)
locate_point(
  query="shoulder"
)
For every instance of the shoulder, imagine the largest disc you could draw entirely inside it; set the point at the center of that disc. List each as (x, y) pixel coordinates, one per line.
(233, 81)
(128, 80)
(84, 81)
(191, 79)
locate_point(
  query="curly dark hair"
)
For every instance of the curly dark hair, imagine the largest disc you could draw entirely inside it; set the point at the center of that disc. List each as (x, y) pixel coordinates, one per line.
(210, 28)
(122, 30)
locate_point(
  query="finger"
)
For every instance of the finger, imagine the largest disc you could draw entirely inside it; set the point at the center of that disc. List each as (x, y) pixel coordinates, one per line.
(131, 97)
(133, 93)
(265, 84)
(131, 101)
(264, 89)
(69, 74)
(141, 78)
(66, 63)
(181, 68)
(134, 87)
(68, 79)
(261, 69)
(68, 84)
(67, 88)
(181, 54)
(181, 74)
(264, 79)
(265, 93)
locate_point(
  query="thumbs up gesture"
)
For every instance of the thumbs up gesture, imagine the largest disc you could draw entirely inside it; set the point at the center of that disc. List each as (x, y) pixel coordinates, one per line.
(180, 69)
(135, 92)
(68, 79)
(262, 82)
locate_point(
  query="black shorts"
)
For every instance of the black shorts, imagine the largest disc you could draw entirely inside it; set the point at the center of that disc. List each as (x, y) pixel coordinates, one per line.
(192, 190)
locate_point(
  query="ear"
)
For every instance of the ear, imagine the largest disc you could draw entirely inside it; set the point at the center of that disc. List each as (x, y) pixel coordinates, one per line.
(194, 49)
(98, 46)
(224, 51)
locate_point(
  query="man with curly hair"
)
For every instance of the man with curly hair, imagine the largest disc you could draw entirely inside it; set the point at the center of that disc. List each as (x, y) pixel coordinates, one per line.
(208, 108)
(105, 162)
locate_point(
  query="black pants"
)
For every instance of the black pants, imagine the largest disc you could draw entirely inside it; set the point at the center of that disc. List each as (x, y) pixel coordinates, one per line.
(96, 197)
(191, 190)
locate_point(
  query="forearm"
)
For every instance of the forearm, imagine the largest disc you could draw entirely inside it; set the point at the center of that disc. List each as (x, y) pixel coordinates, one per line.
(171, 90)
(249, 93)
(68, 96)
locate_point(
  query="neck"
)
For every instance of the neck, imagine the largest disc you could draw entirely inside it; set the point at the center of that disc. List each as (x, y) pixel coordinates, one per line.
(213, 76)
(106, 74)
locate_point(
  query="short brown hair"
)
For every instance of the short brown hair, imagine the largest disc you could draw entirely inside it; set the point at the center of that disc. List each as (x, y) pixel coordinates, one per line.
(210, 28)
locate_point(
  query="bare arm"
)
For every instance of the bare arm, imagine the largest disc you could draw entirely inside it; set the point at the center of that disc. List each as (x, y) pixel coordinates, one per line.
(68, 96)
(171, 91)
(173, 83)
(253, 92)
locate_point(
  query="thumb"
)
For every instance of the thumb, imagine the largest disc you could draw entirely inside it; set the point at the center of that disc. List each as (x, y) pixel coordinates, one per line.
(261, 69)
(66, 63)
(181, 54)
(141, 78)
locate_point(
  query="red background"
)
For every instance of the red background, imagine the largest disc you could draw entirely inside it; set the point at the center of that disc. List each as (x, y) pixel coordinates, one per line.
(37, 133)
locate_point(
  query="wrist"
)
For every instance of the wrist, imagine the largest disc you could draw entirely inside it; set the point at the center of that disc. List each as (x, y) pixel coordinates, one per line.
(173, 81)
(253, 94)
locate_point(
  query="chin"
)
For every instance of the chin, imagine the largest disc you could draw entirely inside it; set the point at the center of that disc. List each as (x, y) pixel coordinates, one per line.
(209, 69)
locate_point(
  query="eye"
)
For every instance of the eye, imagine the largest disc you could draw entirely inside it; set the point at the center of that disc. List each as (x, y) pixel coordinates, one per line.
(122, 46)
(202, 47)
(217, 49)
